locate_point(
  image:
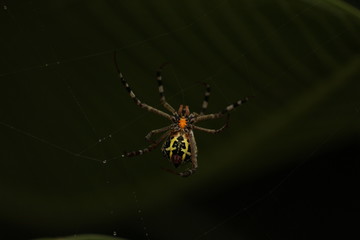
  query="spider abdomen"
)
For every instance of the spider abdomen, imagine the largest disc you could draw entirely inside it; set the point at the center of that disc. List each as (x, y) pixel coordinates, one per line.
(176, 148)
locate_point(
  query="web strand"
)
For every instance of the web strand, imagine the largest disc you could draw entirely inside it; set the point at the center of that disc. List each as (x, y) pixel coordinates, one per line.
(43, 141)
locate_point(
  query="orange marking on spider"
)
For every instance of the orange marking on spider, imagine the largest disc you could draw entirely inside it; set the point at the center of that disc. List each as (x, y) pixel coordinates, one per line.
(182, 123)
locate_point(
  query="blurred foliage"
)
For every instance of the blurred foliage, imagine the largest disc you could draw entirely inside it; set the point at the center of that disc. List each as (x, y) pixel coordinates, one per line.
(65, 118)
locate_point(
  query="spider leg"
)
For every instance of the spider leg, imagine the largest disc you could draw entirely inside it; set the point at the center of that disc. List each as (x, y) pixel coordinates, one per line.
(135, 99)
(193, 146)
(213, 131)
(161, 91)
(206, 99)
(148, 148)
(223, 112)
(156, 131)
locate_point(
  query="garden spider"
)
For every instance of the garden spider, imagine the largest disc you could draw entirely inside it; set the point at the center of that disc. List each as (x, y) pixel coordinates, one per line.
(179, 142)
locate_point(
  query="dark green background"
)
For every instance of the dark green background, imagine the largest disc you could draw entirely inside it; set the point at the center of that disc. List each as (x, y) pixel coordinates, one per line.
(285, 169)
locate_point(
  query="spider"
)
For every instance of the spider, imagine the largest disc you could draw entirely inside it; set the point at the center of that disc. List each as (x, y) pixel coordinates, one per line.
(179, 142)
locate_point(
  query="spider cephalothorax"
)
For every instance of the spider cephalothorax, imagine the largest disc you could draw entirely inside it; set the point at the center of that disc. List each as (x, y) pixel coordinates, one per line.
(179, 142)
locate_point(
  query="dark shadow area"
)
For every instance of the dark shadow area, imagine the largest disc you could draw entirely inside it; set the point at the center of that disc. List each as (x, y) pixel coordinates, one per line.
(314, 199)
(355, 3)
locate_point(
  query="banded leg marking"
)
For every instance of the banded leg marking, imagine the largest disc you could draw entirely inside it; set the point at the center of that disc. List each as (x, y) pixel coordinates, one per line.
(223, 112)
(161, 91)
(206, 99)
(194, 163)
(234, 105)
(147, 149)
(213, 131)
(135, 99)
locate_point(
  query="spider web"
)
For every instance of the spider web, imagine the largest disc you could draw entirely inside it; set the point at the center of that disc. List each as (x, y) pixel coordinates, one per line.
(96, 137)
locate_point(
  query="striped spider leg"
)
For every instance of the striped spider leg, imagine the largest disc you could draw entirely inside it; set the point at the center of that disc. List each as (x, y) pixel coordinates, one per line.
(227, 110)
(135, 99)
(205, 103)
(148, 148)
(194, 164)
(161, 91)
